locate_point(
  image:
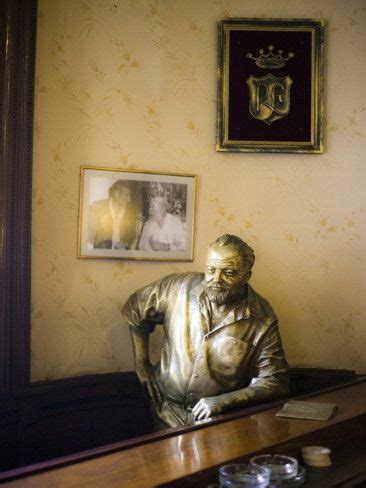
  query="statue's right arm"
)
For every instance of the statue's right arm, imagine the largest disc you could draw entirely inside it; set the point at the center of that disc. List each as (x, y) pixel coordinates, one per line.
(140, 344)
(143, 311)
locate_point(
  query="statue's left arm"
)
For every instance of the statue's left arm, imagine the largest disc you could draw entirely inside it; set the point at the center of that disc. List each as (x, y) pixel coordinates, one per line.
(270, 379)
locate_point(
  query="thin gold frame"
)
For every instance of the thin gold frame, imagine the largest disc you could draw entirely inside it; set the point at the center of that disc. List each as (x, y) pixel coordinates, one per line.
(139, 257)
(316, 144)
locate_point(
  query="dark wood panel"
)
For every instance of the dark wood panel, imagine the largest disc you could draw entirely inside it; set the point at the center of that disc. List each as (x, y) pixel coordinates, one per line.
(53, 419)
(58, 435)
(9, 446)
(306, 380)
(17, 47)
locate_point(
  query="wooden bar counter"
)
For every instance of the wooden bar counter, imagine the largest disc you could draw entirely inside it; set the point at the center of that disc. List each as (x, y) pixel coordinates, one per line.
(192, 458)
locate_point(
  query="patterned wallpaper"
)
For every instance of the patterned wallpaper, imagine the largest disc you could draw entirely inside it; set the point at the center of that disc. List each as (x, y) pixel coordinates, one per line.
(132, 84)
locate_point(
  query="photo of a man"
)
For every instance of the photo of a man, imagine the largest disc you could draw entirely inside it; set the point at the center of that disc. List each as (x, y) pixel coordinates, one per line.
(112, 222)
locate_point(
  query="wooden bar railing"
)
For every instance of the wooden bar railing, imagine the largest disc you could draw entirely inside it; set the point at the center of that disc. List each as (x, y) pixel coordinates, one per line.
(192, 458)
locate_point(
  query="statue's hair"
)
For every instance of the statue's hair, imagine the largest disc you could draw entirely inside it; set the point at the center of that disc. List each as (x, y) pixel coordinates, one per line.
(117, 186)
(239, 245)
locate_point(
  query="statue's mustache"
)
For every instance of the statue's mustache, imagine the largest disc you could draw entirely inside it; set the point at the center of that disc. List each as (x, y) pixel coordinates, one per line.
(218, 287)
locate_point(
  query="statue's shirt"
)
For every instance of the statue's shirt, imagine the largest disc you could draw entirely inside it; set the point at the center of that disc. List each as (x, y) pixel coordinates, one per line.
(243, 351)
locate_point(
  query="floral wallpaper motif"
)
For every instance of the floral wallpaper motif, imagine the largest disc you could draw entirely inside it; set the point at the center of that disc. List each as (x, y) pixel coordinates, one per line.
(132, 84)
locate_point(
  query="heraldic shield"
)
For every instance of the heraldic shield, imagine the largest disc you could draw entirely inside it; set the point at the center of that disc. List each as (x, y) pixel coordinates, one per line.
(269, 97)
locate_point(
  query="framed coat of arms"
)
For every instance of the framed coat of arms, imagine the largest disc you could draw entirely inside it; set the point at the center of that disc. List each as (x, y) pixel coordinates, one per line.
(270, 86)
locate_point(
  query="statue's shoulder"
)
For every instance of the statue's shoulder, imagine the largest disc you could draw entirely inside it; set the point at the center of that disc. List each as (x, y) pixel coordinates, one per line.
(189, 278)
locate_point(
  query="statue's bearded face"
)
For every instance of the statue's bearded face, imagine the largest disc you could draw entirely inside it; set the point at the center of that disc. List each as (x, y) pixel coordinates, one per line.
(226, 275)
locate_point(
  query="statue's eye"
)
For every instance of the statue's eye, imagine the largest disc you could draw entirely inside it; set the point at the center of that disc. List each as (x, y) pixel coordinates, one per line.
(210, 270)
(229, 272)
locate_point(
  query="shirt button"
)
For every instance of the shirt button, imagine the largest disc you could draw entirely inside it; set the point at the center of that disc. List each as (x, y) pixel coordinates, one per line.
(200, 356)
(195, 375)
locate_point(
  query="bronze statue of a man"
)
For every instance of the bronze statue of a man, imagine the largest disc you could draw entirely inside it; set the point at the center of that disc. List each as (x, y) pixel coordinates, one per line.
(221, 344)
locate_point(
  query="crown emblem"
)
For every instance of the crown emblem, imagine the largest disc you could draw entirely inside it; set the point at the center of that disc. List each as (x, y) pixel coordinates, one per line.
(270, 60)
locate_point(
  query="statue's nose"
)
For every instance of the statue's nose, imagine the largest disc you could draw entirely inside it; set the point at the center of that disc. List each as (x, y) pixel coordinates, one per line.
(217, 276)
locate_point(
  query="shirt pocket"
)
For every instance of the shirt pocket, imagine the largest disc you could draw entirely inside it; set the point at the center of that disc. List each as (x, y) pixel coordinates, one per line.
(227, 355)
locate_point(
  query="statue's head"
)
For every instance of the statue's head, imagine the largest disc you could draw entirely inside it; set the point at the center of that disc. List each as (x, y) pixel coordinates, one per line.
(229, 264)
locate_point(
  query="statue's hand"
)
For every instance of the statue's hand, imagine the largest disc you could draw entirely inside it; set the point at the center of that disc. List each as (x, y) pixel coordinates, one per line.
(207, 407)
(149, 385)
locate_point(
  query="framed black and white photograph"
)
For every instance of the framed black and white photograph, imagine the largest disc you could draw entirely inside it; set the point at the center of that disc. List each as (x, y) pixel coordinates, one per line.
(128, 214)
(270, 86)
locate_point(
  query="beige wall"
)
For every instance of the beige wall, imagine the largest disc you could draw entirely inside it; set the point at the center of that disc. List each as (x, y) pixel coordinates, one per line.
(132, 84)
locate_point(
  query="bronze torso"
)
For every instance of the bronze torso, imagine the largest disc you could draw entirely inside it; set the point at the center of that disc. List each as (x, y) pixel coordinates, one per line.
(243, 350)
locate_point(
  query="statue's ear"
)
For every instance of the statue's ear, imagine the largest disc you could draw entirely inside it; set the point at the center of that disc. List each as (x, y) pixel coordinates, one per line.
(248, 274)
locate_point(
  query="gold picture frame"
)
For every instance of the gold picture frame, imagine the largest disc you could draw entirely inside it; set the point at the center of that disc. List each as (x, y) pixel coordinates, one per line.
(129, 214)
(270, 85)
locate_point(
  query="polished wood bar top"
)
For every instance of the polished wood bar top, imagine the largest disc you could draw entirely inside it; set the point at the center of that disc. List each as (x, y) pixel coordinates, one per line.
(165, 460)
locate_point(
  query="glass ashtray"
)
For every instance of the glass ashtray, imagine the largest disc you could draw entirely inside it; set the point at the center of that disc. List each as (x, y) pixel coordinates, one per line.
(297, 480)
(243, 475)
(280, 467)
